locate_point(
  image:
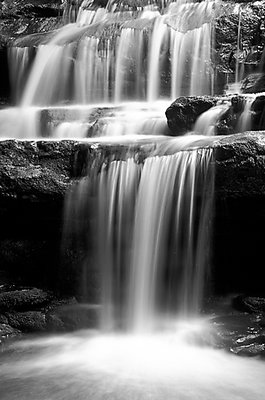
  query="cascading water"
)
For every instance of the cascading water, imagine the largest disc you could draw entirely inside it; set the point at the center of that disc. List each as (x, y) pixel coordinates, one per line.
(143, 221)
(206, 122)
(152, 234)
(108, 57)
(244, 121)
(103, 68)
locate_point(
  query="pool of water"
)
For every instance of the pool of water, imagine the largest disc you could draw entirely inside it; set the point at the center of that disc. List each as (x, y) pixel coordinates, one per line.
(168, 364)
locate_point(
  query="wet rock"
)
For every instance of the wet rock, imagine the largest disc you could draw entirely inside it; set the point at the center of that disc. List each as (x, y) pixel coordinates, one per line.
(7, 332)
(253, 83)
(250, 350)
(258, 113)
(23, 299)
(38, 8)
(31, 170)
(19, 18)
(3, 319)
(240, 165)
(249, 304)
(29, 321)
(183, 112)
(230, 122)
(251, 39)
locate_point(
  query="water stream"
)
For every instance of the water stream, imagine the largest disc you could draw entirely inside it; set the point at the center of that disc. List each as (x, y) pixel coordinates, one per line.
(145, 222)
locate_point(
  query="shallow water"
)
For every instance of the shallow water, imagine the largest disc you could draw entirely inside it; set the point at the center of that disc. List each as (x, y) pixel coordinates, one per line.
(164, 365)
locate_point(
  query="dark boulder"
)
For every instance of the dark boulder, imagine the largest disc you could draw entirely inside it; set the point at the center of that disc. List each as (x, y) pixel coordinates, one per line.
(250, 350)
(7, 332)
(28, 321)
(23, 299)
(240, 166)
(183, 112)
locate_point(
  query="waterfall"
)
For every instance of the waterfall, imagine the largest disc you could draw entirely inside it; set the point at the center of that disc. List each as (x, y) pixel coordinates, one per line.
(129, 58)
(152, 234)
(114, 56)
(19, 58)
(244, 121)
(206, 122)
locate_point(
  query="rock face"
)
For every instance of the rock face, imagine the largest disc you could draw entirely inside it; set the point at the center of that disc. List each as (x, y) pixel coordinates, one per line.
(239, 332)
(241, 25)
(240, 166)
(25, 17)
(253, 83)
(239, 214)
(27, 310)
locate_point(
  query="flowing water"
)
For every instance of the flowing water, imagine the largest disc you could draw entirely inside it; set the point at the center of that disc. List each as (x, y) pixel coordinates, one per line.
(153, 220)
(107, 56)
(96, 366)
(142, 217)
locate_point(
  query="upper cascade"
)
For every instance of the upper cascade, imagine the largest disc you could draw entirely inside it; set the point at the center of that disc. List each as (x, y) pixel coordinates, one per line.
(117, 53)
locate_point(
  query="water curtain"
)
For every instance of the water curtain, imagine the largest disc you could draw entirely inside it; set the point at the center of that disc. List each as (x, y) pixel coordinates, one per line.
(151, 229)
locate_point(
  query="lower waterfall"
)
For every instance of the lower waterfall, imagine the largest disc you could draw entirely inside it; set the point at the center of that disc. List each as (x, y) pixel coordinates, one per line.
(152, 231)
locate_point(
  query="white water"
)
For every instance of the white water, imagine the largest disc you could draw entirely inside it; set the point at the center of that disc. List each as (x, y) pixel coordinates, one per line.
(117, 367)
(206, 122)
(150, 248)
(94, 61)
(152, 233)
(127, 64)
(244, 121)
(84, 121)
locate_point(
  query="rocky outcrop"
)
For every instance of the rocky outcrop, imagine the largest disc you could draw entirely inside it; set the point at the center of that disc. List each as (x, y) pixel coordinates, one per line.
(239, 214)
(253, 83)
(236, 330)
(183, 112)
(25, 17)
(241, 25)
(240, 166)
(28, 310)
(241, 112)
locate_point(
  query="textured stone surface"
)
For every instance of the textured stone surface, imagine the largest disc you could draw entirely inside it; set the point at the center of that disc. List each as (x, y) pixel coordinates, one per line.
(32, 170)
(28, 321)
(7, 332)
(251, 38)
(41, 172)
(240, 165)
(23, 299)
(24, 17)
